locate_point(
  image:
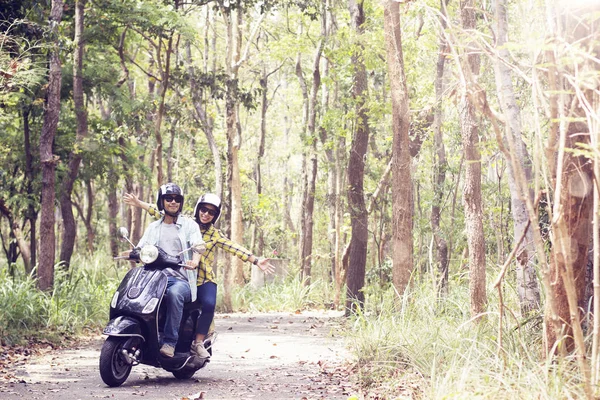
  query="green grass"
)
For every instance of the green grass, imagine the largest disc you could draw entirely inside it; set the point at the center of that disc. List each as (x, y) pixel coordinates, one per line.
(79, 300)
(429, 349)
(290, 295)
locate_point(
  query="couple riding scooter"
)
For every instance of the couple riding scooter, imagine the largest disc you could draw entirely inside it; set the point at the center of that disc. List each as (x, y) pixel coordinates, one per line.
(206, 213)
(157, 297)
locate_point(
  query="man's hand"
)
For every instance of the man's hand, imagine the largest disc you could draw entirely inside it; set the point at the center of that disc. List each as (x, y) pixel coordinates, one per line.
(191, 264)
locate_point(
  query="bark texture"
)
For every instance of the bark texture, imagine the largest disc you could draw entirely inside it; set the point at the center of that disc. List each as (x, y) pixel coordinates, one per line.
(439, 161)
(359, 218)
(402, 188)
(519, 170)
(571, 219)
(66, 203)
(48, 159)
(469, 126)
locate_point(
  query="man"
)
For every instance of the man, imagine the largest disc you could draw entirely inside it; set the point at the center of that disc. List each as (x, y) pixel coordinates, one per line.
(174, 233)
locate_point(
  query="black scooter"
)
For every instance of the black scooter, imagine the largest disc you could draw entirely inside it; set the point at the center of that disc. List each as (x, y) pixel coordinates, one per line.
(137, 318)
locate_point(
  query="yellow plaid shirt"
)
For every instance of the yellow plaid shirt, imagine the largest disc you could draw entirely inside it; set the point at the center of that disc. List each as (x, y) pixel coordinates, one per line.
(213, 238)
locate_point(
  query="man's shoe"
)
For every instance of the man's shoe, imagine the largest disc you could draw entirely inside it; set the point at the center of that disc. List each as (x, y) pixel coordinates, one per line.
(167, 350)
(198, 349)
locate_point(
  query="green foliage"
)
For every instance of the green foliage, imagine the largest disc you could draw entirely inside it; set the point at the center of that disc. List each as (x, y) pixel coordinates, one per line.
(80, 299)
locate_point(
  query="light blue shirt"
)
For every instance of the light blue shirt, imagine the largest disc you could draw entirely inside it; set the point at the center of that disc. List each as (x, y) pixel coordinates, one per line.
(189, 235)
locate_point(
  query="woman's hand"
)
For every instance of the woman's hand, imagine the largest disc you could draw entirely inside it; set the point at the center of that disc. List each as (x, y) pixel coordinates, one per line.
(266, 266)
(132, 200)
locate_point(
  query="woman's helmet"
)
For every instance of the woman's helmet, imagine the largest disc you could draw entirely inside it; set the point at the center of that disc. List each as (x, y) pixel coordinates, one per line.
(208, 198)
(169, 189)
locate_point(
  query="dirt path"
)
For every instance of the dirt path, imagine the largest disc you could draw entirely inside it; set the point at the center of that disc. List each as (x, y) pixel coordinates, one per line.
(263, 356)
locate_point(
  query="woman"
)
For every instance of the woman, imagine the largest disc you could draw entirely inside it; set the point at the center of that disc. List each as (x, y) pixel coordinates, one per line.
(206, 214)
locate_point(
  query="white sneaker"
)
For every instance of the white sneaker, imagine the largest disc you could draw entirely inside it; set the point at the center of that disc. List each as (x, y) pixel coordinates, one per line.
(167, 350)
(198, 349)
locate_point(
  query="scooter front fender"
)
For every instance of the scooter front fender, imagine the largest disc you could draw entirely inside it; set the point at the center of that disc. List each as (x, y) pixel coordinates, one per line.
(123, 326)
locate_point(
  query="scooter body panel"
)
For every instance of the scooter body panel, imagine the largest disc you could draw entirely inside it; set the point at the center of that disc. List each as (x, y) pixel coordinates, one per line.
(124, 326)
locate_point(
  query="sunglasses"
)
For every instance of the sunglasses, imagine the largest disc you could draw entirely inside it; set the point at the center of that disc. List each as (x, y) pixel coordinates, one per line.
(170, 199)
(206, 210)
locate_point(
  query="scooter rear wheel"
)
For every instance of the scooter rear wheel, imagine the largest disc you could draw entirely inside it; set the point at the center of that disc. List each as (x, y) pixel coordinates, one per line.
(113, 369)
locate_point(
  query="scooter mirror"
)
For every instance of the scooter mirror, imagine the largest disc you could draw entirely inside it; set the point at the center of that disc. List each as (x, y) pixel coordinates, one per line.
(123, 232)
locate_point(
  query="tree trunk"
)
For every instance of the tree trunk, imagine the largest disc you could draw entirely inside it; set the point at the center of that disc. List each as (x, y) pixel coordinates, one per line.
(165, 74)
(310, 157)
(205, 122)
(571, 219)
(66, 204)
(518, 163)
(472, 186)
(31, 213)
(439, 162)
(402, 188)
(86, 214)
(359, 218)
(233, 270)
(113, 212)
(330, 150)
(47, 158)
(234, 141)
(16, 241)
(264, 106)
(170, 157)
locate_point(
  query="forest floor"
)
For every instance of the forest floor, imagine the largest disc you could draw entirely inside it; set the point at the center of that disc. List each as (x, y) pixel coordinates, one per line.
(271, 356)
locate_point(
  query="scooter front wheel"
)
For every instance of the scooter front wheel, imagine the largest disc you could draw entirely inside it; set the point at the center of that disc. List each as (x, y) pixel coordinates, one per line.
(114, 370)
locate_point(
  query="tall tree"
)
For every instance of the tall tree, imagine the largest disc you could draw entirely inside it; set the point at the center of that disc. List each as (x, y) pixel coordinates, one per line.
(309, 156)
(469, 127)
(32, 212)
(359, 218)
(47, 158)
(402, 187)
(439, 158)
(66, 204)
(234, 60)
(574, 105)
(519, 162)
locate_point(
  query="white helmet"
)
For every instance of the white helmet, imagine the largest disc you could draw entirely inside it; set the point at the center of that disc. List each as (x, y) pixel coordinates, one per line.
(208, 198)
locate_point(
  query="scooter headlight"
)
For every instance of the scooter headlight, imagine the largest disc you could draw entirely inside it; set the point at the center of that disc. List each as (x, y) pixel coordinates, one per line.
(148, 254)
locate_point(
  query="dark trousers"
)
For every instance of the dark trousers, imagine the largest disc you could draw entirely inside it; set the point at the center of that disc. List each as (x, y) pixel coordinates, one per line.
(207, 296)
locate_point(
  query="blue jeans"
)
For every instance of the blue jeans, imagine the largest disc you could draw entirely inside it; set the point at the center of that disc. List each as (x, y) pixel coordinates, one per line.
(178, 293)
(207, 296)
